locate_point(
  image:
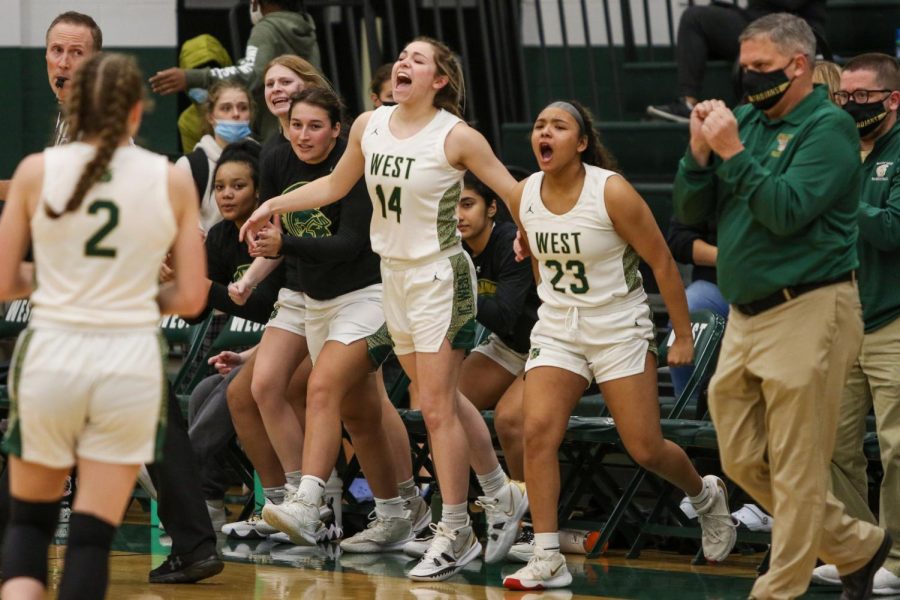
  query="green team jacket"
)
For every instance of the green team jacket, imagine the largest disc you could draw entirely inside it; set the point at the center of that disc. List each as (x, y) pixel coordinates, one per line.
(786, 206)
(280, 32)
(879, 232)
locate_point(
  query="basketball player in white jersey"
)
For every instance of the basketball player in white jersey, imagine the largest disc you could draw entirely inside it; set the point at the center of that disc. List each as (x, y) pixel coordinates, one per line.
(88, 382)
(413, 156)
(586, 228)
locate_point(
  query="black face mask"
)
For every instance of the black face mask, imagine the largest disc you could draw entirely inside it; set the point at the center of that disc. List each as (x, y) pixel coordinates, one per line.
(764, 90)
(868, 116)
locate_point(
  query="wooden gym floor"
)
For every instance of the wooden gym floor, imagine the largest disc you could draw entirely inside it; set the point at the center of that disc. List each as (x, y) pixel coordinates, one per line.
(260, 571)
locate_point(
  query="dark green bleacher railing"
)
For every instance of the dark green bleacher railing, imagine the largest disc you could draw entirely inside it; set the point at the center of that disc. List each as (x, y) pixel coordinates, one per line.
(569, 52)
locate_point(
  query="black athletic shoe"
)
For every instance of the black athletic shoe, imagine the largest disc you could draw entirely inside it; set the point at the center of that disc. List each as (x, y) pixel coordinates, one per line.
(176, 570)
(858, 584)
(678, 111)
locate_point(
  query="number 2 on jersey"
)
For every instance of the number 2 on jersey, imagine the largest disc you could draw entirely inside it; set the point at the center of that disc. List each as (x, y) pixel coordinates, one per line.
(92, 247)
(576, 268)
(392, 203)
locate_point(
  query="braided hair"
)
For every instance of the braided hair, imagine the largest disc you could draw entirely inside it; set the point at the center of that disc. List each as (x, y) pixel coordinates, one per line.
(105, 89)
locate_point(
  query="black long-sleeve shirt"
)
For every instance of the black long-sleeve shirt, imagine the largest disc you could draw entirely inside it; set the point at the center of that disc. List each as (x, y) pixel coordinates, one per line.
(226, 260)
(507, 295)
(680, 239)
(327, 251)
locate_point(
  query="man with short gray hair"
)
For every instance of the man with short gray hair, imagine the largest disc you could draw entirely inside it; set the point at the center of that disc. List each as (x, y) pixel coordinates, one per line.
(781, 177)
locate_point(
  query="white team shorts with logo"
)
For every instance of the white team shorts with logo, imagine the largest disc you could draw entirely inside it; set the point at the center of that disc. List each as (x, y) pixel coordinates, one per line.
(345, 319)
(78, 393)
(290, 312)
(596, 343)
(424, 304)
(494, 348)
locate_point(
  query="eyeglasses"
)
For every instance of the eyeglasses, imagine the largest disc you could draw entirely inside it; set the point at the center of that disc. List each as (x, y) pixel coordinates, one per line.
(859, 96)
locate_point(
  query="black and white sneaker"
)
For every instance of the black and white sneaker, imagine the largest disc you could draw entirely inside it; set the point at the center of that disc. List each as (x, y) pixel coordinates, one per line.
(417, 546)
(450, 551)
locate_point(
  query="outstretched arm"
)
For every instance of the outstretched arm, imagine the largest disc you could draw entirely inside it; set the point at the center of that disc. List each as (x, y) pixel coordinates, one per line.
(321, 192)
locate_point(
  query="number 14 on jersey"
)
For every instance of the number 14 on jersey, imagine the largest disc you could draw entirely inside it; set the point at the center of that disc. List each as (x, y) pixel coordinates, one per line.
(390, 204)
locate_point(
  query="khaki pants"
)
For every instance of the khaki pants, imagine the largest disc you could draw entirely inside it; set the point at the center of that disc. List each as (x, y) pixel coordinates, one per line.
(874, 380)
(774, 400)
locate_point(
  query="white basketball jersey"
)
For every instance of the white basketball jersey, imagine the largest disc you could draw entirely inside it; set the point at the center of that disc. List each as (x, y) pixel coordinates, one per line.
(414, 189)
(98, 266)
(583, 262)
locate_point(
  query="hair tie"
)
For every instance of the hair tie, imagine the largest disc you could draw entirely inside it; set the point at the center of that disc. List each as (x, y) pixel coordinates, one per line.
(569, 108)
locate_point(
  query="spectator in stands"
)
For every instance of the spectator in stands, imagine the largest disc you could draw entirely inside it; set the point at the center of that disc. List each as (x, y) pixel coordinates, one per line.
(828, 73)
(711, 32)
(279, 28)
(229, 110)
(381, 90)
(197, 52)
(696, 245)
(777, 177)
(870, 92)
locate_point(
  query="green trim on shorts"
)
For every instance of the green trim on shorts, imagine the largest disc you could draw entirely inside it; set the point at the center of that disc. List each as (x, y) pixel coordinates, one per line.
(461, 332)
(446, 216)
(12, 441)
(379, 346)
(163, 420)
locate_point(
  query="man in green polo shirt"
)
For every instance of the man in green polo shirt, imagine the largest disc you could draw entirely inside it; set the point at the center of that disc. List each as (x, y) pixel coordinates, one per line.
(869, 92)
(780, 176)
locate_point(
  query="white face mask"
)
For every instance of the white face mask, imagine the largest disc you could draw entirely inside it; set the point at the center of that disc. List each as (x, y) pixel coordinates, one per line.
(255, 13)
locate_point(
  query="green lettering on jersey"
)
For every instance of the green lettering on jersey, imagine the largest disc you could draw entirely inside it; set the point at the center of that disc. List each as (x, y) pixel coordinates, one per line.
(391, 204)
(542, 239)
(387, 165)
(92, 247)
(575, 268)
(376, 163)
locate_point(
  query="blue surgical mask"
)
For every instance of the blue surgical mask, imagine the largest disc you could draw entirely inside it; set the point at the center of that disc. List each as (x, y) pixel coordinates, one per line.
(198, 95)
(232, 131)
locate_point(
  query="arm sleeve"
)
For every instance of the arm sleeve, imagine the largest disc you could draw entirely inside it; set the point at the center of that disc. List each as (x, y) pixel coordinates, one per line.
(347, 242)
(248, 70)
(694, 192)
(787, 202)
(680, 239)
(268, 185)
(500, 312)
(258, 307)
(881, 226)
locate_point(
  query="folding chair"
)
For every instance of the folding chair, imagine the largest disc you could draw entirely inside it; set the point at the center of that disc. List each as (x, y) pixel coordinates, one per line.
(589, 440)
(178, 332)
(14, 320)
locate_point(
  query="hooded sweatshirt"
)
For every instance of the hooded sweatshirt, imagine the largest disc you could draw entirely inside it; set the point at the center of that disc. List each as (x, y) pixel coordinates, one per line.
(209, 210)
(279, 32)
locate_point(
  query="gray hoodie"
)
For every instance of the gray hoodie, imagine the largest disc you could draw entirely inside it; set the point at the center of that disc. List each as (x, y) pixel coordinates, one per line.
(280, 32)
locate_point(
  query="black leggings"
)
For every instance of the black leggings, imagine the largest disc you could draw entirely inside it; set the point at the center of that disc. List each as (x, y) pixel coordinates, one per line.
(704, 33)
